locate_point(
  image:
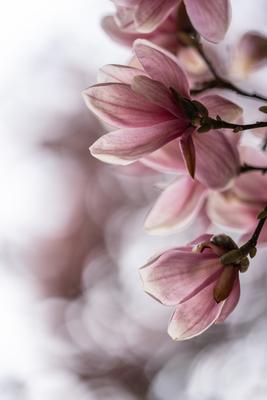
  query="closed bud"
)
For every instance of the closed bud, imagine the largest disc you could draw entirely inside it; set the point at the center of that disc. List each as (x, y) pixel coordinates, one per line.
(225, 283)
(232, 257)
(252, 252)
(224, 241)
(244, 264)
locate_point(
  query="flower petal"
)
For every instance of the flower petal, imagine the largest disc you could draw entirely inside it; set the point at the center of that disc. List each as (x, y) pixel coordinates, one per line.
(167, 159)
(217, 160)
(127, 145)
(179, 274)
(231, 302)
(118, 73)
(150, 14)
(156, 93)
(218, 105)
(210, 18)
(195, 315)
(162, 66)
(176, 207)
(118, 105)
(227, 211)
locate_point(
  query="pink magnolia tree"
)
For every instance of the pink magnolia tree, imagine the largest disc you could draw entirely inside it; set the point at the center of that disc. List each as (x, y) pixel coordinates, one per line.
(183, 127)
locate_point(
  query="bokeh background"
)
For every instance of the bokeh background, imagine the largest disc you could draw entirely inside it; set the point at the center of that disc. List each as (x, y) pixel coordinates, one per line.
(74, 321)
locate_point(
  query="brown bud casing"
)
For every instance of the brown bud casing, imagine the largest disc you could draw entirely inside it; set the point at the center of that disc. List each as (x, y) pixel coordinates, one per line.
(225, 283)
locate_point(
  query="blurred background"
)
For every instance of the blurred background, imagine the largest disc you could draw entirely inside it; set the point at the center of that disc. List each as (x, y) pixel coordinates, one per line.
(75, 323)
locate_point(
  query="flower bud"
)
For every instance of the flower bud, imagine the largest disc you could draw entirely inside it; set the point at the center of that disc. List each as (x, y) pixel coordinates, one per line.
(232, 257)
(225, 283)
(244, 264)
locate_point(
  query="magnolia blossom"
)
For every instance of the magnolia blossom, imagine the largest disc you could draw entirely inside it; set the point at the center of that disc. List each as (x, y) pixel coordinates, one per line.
(193, 279)
(250, 54)
(237, 208)
(143, 103)
(182, 201)
(165, 35)
(209, 17)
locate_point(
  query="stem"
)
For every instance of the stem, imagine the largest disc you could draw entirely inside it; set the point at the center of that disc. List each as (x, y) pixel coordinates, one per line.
(218, 123)
(252, 242)
(249, 168)
(219, 82)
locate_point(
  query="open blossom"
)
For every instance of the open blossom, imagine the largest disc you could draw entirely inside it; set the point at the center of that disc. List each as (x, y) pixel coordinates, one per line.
(165, 35)
(143, 104)
(193, 279)
(182, 201)
(209, 17)
(237, 208)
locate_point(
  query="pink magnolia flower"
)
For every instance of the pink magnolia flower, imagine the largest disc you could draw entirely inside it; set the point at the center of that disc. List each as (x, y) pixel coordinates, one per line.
(237, 208)
(210, 18)
(182, 201)
(142, 103)
(165, 35)
(250, 54)
(193, 279)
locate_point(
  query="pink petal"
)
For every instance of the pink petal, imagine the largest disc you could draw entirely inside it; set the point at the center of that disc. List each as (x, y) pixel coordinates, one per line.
(206, 237)
(127, 145)
(176, 207)
(218, 105)
(118, 73)
(231, 302)
(124, 18)
(167, 159)
(251, 187)
(162, 66)
(195, 315)
(118, 105)
(178, 274)
(210, 18)
(227, 211)
(150, 14)
(156, 93)
(188, 151)
(126, 3)
(217, 160)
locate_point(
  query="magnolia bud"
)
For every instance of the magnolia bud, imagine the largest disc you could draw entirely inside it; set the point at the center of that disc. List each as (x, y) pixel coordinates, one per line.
(225, 283)
(244, 264)
(252, 252)
(232, 257)
(224, 241)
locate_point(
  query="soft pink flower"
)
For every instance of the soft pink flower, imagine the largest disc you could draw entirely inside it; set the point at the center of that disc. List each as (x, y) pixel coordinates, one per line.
(182, 201)
(165, 35)
(193, 279)
(210, 18)
(250, 54)
(142, 104)
(237, 208)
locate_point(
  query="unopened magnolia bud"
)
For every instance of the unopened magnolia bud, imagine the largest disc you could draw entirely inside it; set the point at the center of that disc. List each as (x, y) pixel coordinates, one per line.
(244, 264)
(224, 241)
(252, 252)
(263, 109)
(225, 283)
(232, 257)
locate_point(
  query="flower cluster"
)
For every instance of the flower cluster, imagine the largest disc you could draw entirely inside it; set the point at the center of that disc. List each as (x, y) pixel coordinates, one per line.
(172, 118)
